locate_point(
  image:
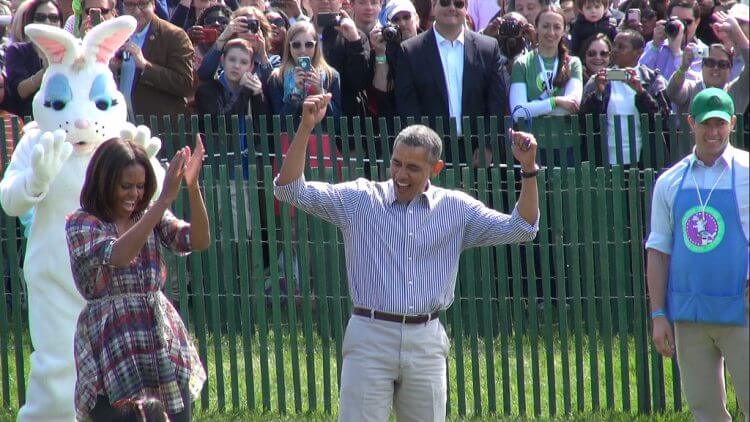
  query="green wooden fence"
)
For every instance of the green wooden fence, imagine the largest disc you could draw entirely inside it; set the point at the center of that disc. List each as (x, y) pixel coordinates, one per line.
(554, 326)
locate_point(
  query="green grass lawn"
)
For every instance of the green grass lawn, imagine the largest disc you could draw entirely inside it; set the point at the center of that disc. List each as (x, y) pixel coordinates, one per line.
(229, 398)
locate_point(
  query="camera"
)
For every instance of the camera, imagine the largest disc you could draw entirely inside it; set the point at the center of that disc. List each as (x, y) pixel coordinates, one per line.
(253, 26)
(617, 75)
(391, 33)
(701, 51)
(329, 19)
(672, 27)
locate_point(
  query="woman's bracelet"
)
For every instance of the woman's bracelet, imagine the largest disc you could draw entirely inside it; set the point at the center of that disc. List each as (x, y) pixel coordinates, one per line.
(381, 58)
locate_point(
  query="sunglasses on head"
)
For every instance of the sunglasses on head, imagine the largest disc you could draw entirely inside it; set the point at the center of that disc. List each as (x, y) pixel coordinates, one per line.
(459, 4)
(104, 11)
(298, 44)
(404, 16)
(46, 17)
(592, 53)
(712, 63)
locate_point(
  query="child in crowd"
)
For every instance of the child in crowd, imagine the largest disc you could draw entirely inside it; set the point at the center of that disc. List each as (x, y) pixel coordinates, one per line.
(593, 18)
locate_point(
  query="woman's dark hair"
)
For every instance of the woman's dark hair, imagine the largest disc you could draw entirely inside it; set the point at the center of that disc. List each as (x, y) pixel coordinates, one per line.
(563, 56)
(103, 176)
(35, 4)
(220, 7)
(280, 13)
(142, 410)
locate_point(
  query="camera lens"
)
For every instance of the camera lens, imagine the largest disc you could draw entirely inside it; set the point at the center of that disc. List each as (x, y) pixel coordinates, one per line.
(672, 28)
(391, 34)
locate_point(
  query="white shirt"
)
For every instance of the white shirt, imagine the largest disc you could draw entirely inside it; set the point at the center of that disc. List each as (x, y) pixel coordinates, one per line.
(452, 57)
(668, 184)
(621, 105)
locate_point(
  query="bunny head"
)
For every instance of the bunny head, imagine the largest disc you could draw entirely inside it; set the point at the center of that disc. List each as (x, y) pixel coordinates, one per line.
(78, 92)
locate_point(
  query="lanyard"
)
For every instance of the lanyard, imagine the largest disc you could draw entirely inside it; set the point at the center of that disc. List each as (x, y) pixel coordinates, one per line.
(549, 77)
(708, 198)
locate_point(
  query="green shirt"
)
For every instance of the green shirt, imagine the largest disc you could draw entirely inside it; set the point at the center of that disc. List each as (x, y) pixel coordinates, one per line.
(527, 70)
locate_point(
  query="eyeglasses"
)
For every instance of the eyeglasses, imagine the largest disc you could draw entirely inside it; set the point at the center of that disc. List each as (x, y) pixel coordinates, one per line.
(46, 17)
(592, 53)
(132, 6)
(459, 4)
(712, 63)
(104, 11)
(278, 22)
(298, 44)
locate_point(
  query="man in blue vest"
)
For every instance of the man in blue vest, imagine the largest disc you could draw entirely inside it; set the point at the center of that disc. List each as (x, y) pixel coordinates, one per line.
(698, 261)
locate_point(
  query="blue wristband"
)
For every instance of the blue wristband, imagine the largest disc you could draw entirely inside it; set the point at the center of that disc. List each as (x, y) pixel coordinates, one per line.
(657, 313)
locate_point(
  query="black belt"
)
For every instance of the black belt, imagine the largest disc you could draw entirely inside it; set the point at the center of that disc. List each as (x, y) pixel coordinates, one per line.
(404, 319)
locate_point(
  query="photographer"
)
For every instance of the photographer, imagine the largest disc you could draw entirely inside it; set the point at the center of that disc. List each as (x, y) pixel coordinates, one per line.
(715, 70)
(212, 22)
(665, 51)
(347, 50)
(401, 23)
(515, 36)
(637, 91)
(250, 24)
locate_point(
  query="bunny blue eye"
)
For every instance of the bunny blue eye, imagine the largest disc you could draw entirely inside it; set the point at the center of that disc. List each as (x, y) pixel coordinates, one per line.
(57, 92)
(100, 95)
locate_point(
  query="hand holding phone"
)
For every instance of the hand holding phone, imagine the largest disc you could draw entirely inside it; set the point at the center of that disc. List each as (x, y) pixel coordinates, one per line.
(304, 63)
(617, 75)
(96, 16)
(329, 19)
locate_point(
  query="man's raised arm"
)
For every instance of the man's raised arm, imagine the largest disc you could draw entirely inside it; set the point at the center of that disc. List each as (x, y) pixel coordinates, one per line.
(313, 111)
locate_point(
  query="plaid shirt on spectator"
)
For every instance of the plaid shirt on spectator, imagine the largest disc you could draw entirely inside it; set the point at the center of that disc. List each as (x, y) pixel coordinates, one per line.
(130, 341)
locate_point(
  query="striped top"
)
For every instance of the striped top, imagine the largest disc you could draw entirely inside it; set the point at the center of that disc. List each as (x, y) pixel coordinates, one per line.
(403, 258)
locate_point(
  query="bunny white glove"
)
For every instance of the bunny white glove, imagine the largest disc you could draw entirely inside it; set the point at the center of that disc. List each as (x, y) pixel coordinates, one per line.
(47, 159)
(141, 135)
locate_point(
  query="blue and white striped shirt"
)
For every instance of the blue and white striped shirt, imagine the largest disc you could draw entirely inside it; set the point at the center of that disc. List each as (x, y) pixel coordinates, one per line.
(403, 258)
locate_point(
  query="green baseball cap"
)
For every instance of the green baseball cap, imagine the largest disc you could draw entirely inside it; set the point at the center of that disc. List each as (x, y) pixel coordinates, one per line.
(712, 102)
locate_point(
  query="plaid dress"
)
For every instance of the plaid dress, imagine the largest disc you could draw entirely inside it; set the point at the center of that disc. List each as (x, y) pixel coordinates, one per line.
(130, 342)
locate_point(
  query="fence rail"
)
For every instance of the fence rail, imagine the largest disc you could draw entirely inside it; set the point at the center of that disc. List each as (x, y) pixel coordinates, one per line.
(557, 325)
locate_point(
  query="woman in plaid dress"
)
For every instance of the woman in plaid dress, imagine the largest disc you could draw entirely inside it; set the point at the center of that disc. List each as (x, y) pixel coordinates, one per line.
(130, 342)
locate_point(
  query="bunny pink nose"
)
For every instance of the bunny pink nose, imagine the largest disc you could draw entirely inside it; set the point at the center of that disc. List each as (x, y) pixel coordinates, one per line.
(82, 124)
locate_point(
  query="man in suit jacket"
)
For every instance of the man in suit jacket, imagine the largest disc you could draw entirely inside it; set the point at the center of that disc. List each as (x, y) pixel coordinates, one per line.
(449, 71)
(156, 73)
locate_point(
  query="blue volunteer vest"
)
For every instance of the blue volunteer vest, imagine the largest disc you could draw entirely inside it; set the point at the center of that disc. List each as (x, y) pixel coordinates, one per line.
(708, 265)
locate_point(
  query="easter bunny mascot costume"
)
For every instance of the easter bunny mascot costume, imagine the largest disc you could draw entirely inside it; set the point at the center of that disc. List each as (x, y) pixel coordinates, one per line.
(77, 108)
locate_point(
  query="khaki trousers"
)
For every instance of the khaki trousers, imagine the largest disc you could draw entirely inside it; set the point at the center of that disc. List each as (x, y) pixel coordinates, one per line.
(389, 364)
(701, 352)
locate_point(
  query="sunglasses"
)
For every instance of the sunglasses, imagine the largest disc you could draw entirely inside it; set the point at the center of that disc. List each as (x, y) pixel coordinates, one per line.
(712, 63)
(298, 44)
(592, 53)
(278, 22)
(459, 4)
(104, 11)
(46, 17)
(133, 6)
(218, 21)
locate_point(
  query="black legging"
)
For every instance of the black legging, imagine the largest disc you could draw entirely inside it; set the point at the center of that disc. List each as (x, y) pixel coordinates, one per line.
(104, 412)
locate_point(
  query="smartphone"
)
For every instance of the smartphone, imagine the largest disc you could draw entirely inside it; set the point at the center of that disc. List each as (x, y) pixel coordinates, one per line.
(701, 51)
(305, 63)
(634, 15)
(96, 16)
(210, 35)
(328, 19)
(617, 75)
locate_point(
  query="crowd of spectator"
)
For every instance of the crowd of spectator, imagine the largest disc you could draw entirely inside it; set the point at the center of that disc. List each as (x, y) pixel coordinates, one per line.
(406, 58)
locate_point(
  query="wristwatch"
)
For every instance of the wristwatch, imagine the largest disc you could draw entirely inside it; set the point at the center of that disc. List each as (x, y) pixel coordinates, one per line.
(530, 174)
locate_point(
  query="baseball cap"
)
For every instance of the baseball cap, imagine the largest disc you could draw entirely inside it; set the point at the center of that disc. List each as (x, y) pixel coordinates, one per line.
(394, 7)
(712, 102)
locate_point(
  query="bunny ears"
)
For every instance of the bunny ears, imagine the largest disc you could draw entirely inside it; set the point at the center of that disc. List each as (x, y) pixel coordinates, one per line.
(99, 44)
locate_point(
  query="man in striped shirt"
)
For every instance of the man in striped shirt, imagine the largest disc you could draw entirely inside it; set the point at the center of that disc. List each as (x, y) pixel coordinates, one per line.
(403, 239)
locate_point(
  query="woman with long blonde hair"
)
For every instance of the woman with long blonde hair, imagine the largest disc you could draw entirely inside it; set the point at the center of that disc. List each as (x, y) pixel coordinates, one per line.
(303, 71)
